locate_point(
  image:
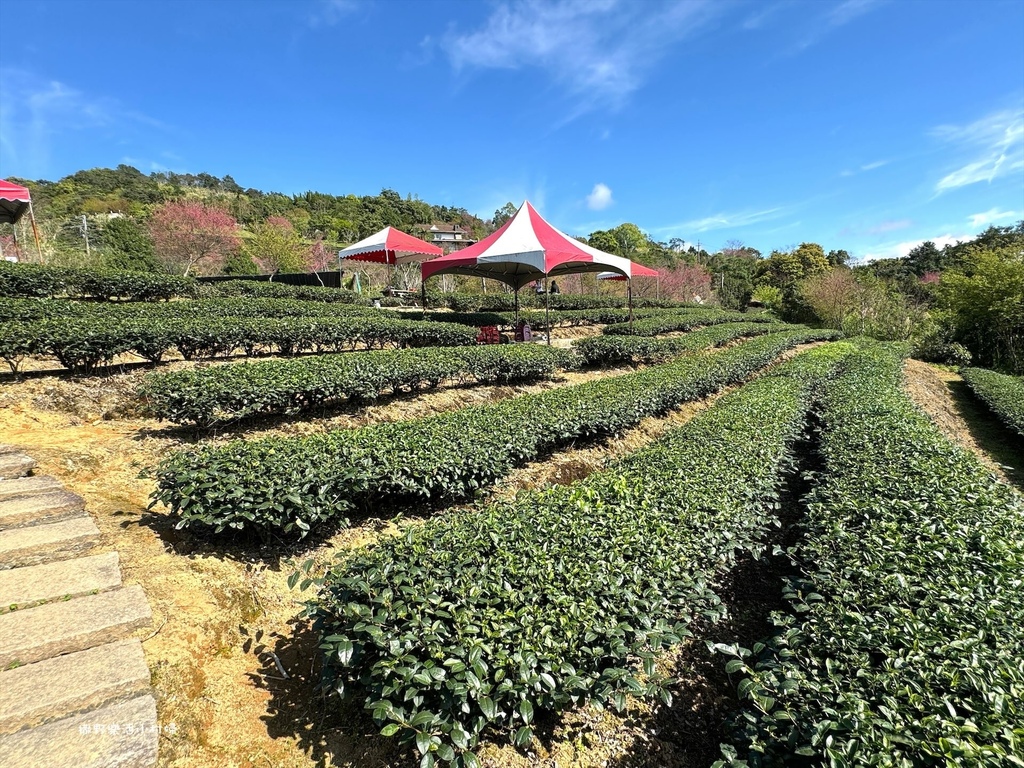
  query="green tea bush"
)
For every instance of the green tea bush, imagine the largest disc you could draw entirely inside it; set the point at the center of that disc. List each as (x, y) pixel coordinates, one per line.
(42, 281)
(474, 622)
(260, 289)
(1003, 393)
(902, 645)
(628, 350)
(682, 320)
(207, 396)
(292, 485)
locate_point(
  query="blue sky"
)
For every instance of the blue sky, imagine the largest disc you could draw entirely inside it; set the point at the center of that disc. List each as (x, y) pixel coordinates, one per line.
(859, 124)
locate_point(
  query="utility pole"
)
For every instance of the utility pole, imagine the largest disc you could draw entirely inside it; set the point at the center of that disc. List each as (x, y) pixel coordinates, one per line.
(85, 234)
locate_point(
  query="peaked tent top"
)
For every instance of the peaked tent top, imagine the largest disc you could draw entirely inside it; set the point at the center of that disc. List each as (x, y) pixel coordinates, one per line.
(524, 249)
(390, 246)
(14, 201)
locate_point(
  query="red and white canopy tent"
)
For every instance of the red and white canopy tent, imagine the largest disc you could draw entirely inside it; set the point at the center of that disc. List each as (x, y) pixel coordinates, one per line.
(639, 270)
(526, 248)
(15, 200)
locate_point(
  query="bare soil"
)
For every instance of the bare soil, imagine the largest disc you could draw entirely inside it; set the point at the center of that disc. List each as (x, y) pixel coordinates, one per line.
(948, 401)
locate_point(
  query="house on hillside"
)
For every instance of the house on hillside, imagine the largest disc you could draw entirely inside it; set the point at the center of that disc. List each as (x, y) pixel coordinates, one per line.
(449, 237)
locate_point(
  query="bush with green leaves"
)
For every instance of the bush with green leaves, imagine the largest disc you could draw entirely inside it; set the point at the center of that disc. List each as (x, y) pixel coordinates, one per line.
(472, 623)
(83, 342)
(43, 281)
(1003, 393)
(629, 350)
(902, 644)
(682, 320)
(208, 396)
(293, 485)
(260, 289)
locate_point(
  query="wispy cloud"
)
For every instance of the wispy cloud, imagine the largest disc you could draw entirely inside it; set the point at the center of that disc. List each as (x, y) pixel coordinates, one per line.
(330, 12)
(35, 111)
(757, 19)
(600, 197)
(838, 16)
(890, 226)
(995, 144)
(865, 168)
(993, 215)
(733, 220)
(901, 249)
(598, 51)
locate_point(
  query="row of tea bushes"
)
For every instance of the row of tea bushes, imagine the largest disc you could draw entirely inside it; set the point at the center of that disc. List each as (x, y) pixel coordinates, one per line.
(683, 320)
(1002, 393)
(207, 396)
(262, 289)
(630, 350)
(505, 302)
(903, 644)
(57, 309)
(292, 485)
(82, 344)
(474, 622)
(43, 281)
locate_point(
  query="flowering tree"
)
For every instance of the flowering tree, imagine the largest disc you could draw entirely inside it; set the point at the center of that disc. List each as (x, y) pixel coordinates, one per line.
(191, 236)
(683, 282)
(320, 258)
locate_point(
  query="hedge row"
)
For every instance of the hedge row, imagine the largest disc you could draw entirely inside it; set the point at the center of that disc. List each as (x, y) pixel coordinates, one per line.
(474, 622)
(81, 344)
(207, 396)
(56, 309)
(292, 485)
(683, 320)
(1002, 393)
(505, 302)
(903, 644)
(629, 350)
(260, 289)
(43, 281)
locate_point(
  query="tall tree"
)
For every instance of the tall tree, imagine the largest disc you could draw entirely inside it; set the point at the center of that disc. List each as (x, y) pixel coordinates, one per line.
(503, 214)
(275, 246)
(192, 237)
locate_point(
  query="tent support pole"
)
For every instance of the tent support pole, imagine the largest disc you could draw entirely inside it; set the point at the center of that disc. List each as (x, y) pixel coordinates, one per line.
(423, 297)
(629, 293)
(35, 231)
(517, 305)
(547, 309)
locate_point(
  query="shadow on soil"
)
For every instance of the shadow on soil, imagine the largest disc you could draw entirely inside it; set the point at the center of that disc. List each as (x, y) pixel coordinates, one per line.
(330, 731)
(1000, 442)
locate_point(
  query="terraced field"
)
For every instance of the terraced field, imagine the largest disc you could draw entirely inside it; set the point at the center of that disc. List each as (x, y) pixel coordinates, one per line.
(740, 565)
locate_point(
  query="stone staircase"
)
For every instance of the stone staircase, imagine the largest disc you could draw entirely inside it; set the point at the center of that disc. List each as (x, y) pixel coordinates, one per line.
(74, 685)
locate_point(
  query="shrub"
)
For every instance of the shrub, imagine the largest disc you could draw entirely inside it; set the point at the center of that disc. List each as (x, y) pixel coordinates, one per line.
(476, 621)
(1003, 393)
(902, 644)
(292, 485)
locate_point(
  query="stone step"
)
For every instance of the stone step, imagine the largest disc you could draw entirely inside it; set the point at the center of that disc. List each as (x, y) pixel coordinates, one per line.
(72, 625)
(23, 587)
(66, 685)
(28, 486)
(36, 544)
(42, 508)
(15, 465)
(120, 735)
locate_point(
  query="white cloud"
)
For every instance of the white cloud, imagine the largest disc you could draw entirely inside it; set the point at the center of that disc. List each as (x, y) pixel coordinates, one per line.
(724, 221)
(899, 250)
(599, 51)
(600, 197)
(992, 215)
(330, 12)
(838, 16)
(995, 144)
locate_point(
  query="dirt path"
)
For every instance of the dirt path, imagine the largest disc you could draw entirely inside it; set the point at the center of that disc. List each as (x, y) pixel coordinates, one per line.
(947, 399)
